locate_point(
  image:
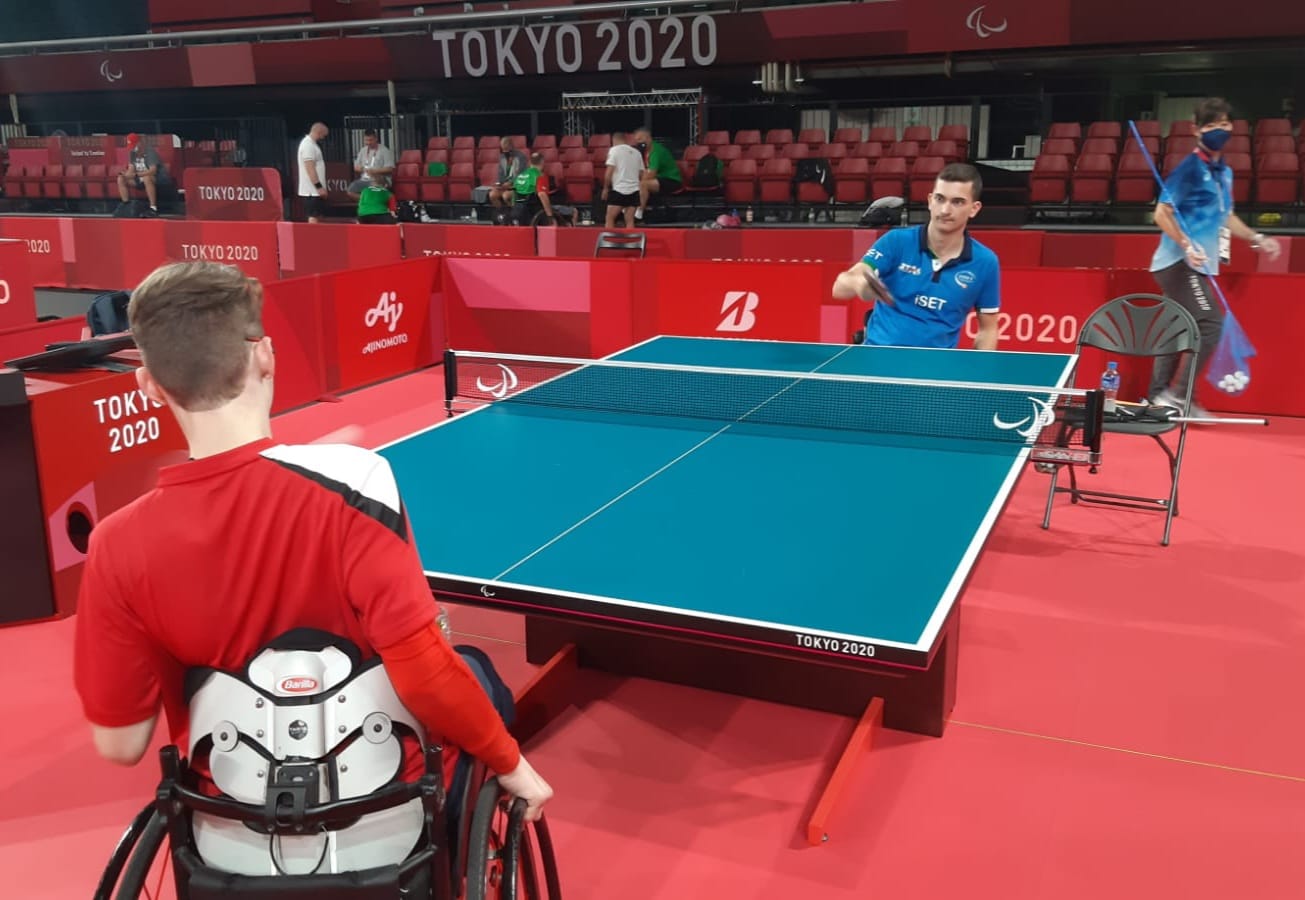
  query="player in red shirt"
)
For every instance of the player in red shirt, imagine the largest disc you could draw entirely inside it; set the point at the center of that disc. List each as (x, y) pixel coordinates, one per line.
(250, 539)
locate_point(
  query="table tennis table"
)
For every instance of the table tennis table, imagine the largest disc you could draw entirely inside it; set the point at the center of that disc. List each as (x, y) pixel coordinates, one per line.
(788, 521)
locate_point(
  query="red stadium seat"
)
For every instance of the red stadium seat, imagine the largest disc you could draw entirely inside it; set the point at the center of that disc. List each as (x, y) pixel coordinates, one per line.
(571, 140)
(1048, 182)
(849, 136)
(776, 181)
(921, 134)
(812, 137)
(486, 155)
(74, 182)
(34, 182)
(727, 152)
(852, 180)
(795, 151)
(1181, 143)
(1070, 131)
(1106, 146)
(462, 178)
(486, 174)
(1277, 179)
(1240, 163)
(695, 152)
(884, 134)
(406, 178)
(716, 138)
(924, 172)
(1059, 147)
(779, 136)
(580, 182)
(1272, 128)
(1148, 128)
(599, 141)
(741, 181)
(463, 155)
(829, 151)
(905, 149)
(1242, 127)
(438, 143)
(888, 178)
(747, 138)
(868, 150)
(544, 142)
(759, 152)
(464, 143)
(598, 156)
(1110, 130)
(1238, 143)
(1091, 180)
(487, 140)
(1180, 128)
(97, 183)
(549, 154)
(574, 155)
(948, 150)
(1281, 143)
(13, 182)
(52, 182)
(436, 156)
(1134, 182)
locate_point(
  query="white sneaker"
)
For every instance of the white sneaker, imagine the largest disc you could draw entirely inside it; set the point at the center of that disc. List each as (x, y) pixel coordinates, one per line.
(638, 215)
(1168, 398)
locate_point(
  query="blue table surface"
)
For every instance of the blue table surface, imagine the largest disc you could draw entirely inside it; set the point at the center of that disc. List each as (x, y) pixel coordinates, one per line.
(840, 536)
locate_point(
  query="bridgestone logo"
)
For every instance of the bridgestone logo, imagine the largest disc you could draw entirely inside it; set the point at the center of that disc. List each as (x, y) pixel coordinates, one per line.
(385, 343)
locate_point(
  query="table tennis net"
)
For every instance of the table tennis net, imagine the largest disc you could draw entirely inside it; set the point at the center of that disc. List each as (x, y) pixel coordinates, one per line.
(1007, 414)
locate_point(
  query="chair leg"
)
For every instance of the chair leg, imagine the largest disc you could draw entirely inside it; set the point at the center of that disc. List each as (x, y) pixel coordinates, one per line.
(1073, 485)
(1177, 458)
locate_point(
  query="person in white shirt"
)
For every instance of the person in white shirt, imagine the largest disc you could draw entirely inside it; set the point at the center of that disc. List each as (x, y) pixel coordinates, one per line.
(621, 181)
(312, 172)
(373, 159)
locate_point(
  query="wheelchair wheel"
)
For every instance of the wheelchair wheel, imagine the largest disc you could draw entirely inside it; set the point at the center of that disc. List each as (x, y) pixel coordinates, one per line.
(501, 855)
(133, 858)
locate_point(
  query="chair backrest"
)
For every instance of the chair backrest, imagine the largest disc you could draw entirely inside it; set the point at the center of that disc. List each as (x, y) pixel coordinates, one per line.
(1141, 325)
(621, 241)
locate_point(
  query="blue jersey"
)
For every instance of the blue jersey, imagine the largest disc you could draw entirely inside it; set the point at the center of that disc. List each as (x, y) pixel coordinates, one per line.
(931, 303)
(1200, 189)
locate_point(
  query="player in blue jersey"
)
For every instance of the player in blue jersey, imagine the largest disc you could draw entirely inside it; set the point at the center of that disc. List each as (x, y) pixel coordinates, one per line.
(925, 281)
(1200, 191)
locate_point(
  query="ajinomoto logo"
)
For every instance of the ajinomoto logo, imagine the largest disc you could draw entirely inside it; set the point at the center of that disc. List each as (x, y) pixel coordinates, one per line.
(388, 310)
(739, 311)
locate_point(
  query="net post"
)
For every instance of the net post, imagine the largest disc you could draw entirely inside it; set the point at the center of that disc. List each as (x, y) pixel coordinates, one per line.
(1093, 417)
(450, 381)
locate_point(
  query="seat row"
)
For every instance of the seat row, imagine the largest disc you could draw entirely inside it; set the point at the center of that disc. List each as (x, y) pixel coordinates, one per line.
(58, 182)
(1273, 180)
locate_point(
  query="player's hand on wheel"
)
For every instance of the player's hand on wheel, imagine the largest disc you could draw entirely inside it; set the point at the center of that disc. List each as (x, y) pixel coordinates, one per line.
(526, 783)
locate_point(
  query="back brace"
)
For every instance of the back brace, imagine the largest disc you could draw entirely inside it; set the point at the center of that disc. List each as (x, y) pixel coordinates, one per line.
(306, 723)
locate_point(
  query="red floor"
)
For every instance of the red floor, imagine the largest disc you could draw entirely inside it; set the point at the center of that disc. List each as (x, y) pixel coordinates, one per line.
(1128, 723)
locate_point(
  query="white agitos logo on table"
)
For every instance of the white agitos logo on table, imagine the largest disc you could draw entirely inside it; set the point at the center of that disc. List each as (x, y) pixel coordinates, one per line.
(499, 391)
(738, 310)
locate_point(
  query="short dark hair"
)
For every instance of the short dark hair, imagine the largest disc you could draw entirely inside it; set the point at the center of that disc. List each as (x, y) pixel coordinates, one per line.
(370, 132)
(958, 172)
(1210, 110)
(536, 158)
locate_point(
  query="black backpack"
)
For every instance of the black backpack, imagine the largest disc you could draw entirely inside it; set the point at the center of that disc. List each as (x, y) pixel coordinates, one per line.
(707, 173)
(108, 313)
(816, 171)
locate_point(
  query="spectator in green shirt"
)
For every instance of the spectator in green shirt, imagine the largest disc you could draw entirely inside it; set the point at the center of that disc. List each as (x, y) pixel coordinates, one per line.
(376, 203)
(662, 175)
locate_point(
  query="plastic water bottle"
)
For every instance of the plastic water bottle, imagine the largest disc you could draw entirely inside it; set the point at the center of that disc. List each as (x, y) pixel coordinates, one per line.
(749, 214)
(474, 215)
(1110, 384)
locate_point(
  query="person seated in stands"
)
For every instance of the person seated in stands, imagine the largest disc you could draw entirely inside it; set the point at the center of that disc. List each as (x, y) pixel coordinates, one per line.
(145, 170)
(661, 175)
(376, 203)
(511, 163)
(251, 539)
(373, 159)
(531, 190)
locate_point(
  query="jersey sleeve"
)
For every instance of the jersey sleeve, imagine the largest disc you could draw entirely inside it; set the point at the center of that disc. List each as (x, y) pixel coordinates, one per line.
(882, 257)
(989, 299)
(541, 184)
(113, 655)
(382, 572)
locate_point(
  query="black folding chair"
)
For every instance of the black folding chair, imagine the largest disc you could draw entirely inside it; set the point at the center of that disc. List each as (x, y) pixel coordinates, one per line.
(1145, 326)
(621, 241)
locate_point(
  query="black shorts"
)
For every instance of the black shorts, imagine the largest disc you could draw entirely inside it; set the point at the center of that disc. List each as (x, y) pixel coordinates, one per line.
(314, 207)
(377, 219)
(616, 198)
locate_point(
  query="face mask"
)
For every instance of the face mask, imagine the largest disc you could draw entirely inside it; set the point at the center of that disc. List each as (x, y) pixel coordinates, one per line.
(1214, 140)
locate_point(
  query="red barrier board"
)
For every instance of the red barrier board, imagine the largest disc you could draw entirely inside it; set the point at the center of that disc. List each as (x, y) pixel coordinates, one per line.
(804, 245)
(233, 194)
(470, 240)
(99, 444)
(311, 249)
(378, 322)
(45, 239)
(724, 299)
(536, 306)
(17, 298)
(250, 246)
(292, 317)
(109, 254)
(1013, 248)
(33, 338)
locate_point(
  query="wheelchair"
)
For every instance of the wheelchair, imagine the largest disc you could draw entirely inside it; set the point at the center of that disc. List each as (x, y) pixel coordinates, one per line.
(334, 820)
